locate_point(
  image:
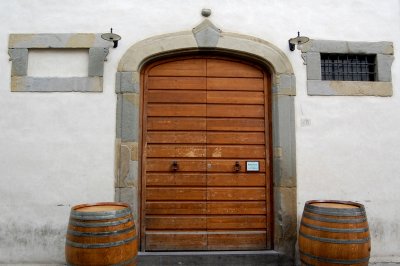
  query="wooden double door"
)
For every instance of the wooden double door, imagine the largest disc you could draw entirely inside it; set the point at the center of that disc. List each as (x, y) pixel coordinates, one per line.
(205, 156)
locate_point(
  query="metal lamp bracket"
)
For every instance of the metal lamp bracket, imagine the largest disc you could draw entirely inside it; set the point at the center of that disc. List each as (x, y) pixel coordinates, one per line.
(296, 41)
(111, 37)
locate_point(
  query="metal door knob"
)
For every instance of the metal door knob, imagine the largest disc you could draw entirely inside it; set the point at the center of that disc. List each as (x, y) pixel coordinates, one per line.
(237, 167)
(175, 166)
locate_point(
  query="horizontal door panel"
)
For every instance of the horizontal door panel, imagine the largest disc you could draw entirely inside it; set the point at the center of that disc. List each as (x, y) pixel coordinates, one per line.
(235, 138)
(175, 123)
(163, 165)
(236, 207)
(235, 97)
(176, 137)
(163, 207)
(186, 110)
(176, 179)
(187, 67)
(235, 124)
(235, 84)
(237, 241)
(176, 194)
(176, 83)
(223, 68)
(228, 166)
(225, 110)
(237, 151)
(176, 241)
(238, 194)
(235, 180)
(229, 222)
(175, 151)
(195, 222)
(158, 96)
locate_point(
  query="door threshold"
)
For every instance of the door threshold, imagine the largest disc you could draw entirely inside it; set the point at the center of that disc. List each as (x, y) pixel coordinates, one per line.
(213, 258)
(202, 253)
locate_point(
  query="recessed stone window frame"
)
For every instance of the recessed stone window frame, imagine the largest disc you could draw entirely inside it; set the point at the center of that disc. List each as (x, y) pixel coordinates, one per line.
(19, 45)
(382, 86)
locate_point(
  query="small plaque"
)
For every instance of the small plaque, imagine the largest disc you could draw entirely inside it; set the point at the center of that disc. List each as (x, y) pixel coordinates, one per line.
(253, 166)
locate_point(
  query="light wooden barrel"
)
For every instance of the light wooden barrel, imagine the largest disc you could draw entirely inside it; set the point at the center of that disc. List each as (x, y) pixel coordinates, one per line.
(101, 234)
(334, 233)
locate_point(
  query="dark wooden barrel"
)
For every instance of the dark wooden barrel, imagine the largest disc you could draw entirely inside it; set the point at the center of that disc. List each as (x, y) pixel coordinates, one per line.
(101, 234)
(334, 233)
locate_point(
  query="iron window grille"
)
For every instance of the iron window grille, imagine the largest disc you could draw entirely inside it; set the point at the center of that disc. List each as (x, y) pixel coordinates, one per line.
(348, 67)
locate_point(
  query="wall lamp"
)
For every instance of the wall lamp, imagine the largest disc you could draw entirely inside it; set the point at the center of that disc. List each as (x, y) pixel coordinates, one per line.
(111, 37)
(296, 41)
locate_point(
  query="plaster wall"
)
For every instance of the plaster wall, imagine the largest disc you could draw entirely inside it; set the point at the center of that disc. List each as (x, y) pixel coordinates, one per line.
(51, 63)
(58, 149)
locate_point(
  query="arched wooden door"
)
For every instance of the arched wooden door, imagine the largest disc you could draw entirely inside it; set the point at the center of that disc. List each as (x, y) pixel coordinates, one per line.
(206, 155)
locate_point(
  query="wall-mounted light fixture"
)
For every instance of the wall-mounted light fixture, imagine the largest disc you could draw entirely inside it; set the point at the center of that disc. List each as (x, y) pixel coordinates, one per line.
(296, 41)
(111, 37)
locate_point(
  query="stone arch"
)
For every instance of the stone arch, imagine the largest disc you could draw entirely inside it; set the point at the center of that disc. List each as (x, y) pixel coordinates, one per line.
(207, 37)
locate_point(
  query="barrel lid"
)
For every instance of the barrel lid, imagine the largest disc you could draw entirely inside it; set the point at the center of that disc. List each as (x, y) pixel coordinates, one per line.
(100, 210)
(100, 206)
(335, 204)
(333, 207)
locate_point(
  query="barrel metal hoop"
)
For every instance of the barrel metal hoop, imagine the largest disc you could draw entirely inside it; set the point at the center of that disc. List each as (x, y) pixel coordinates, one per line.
(336, 241)
(335, 211)
(127, 262)
(331, 220)
(335, 261)
(336, 230)
(100, 245)
(99, 215)
(103, 224)
(95, 234)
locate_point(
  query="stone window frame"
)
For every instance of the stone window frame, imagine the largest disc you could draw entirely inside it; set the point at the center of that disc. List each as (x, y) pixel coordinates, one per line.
(311, 53)
(18, 49)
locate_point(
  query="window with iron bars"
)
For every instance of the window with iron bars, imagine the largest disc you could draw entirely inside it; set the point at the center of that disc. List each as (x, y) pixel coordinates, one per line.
(348, 67)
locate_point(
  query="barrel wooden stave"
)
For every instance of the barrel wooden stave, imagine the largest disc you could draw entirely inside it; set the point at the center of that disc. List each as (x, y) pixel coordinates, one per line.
(101, 237)
(330, 237)
(122, 255)
(102, 256)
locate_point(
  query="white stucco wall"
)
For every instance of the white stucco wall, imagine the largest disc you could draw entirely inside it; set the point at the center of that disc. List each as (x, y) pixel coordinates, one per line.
(57, 149)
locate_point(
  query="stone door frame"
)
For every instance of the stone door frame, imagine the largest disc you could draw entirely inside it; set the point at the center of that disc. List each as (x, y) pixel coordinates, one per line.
(206, 37)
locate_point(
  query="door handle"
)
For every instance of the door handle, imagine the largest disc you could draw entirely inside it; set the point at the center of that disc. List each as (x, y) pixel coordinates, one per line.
(237, 167)
(175, 166)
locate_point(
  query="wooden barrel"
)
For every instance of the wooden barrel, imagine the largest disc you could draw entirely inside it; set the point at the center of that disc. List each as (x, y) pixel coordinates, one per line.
(101, 234)
(334, 233)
